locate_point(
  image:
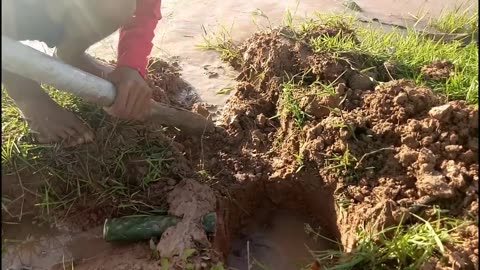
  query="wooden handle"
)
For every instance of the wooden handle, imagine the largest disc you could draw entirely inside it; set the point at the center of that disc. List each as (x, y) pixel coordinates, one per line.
(188, 121)
(35, 65)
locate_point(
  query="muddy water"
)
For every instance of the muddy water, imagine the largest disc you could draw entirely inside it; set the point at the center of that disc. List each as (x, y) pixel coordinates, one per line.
(180, 30)
(39, 246)
(274, 239)
(177, 35)
(184, 24)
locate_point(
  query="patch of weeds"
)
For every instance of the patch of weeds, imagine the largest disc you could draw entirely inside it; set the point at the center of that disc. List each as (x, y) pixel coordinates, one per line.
(397, 247)
(300, 159)
(222, 43)
(460, 20)
(337, 44)
(291, 103)
(343, 164)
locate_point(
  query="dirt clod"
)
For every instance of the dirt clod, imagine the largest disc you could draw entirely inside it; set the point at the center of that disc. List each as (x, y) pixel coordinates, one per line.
(360, 81)
(438, 70)
(441, 112)
(191, 201)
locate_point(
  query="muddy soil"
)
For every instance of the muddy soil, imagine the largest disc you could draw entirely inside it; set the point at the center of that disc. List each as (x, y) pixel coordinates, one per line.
(389, 150)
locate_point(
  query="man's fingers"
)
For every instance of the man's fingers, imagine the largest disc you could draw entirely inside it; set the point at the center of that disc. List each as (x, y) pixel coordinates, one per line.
(143, 104)
(138, 105)
(119, 107)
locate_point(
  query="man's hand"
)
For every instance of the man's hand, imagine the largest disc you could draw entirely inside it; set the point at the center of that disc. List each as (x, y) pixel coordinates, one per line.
(133, 95)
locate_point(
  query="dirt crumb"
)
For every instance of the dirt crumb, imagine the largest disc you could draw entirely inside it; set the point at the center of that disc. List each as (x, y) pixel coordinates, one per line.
(438, 70)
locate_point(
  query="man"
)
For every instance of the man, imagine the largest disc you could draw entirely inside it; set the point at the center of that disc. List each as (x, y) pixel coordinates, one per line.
(71, 27)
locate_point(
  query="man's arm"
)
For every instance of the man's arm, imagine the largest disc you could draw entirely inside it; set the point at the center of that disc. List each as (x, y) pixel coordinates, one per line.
(133, 93)
(135, 44)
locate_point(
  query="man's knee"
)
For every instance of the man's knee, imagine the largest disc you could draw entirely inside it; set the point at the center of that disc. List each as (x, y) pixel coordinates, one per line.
(98, 19)
(92, 21)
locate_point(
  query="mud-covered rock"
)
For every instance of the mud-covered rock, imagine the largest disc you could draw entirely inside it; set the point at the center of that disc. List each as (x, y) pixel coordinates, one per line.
(360, 81)
(441, 112)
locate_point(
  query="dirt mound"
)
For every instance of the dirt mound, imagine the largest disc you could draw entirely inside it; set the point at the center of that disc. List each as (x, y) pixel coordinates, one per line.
(305, 131)
(390, 152)
(281, 54)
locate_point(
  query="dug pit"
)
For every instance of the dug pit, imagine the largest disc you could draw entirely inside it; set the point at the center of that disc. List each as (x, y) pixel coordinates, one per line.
(276, 225)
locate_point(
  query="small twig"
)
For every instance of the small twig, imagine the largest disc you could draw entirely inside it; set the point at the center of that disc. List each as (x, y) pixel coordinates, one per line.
(389, 75)
(248, 255)
(23, 190)
(202, 158)
(372, 153)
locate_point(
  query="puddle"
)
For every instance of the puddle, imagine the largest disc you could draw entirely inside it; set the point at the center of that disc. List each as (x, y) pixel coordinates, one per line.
(276, 224)
(34, 247)
(180, 31)
(37, 246)
(274, 239)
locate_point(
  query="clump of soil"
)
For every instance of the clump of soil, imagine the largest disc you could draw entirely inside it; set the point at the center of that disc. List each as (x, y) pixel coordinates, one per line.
(266, 56)
(168, 87)
(438, 71)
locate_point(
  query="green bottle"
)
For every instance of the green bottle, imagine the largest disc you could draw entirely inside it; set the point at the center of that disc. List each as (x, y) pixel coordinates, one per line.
(137, 228)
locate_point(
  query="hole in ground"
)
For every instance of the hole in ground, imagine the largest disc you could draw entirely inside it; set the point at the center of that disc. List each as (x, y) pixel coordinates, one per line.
(265, 224)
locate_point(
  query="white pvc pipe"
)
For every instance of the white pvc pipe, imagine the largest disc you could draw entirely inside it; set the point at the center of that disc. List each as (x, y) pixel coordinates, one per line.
(30, 63)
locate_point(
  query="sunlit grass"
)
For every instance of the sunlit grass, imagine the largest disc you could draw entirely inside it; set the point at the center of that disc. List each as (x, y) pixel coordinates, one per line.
(397, 247)
(95, 174)
(459, 20)
(410, 51)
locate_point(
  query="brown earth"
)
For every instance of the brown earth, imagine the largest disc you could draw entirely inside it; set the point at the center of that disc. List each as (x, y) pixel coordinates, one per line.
(407, 149)
(388, 149)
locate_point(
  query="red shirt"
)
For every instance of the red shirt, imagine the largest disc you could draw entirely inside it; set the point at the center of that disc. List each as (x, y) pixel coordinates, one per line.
(135, 43)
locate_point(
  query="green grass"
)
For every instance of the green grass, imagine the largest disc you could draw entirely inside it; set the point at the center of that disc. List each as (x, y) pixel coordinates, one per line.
(397, 247)
(291, 103)
(115, 171)
(342, 164)
(459, 20)
(411, 51)
(222, 43)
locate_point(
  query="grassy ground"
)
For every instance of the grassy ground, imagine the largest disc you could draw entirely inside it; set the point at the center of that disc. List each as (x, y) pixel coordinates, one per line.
(102, 170)
(459, 20)
(407, 247)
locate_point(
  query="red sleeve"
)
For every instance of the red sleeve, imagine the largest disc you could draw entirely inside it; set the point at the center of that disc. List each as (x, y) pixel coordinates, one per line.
(135, 43)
